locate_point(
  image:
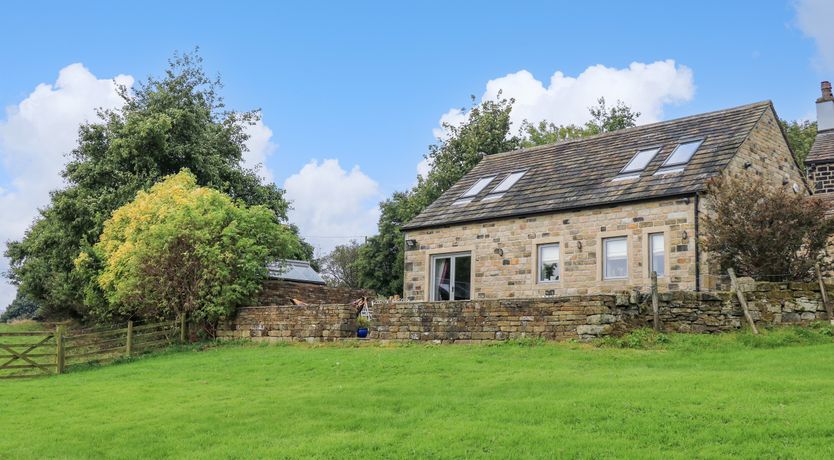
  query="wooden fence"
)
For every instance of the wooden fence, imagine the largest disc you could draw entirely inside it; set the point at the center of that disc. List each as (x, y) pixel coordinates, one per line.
(33, 353)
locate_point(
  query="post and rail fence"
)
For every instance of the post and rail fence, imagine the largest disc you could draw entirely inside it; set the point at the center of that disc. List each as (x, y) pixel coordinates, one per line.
(34, 353)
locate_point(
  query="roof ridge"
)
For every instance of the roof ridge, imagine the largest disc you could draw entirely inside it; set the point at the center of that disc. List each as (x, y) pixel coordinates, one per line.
(764, 103)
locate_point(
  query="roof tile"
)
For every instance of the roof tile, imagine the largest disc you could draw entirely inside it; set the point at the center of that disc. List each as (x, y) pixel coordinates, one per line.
(576, 174)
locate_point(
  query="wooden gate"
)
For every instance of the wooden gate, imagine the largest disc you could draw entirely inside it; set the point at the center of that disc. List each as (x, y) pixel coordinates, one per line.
(27, 353)
(33, 353)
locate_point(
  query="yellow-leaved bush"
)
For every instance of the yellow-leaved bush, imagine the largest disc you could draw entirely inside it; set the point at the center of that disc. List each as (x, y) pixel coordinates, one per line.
(182, 248)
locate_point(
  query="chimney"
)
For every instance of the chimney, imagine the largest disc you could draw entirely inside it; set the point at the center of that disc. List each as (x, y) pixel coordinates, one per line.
(825, 108)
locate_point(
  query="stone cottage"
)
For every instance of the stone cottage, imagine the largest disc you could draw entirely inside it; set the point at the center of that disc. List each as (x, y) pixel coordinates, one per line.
(595, 215)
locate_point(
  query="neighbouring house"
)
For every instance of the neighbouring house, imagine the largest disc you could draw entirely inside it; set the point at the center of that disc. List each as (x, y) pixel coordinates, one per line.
(294, 281)
(595, 215)
(820, 161)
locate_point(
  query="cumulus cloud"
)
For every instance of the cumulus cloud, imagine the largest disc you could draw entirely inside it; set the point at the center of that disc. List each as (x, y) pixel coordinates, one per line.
(423, 167)
(260, 147)
(814, 18)
(35, 136)
(646, 88)
(331, 206)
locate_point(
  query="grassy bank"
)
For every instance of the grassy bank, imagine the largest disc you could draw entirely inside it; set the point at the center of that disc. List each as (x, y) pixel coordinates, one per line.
(649, 397)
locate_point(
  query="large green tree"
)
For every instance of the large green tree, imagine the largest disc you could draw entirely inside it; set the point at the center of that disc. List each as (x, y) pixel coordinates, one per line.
(20, 308)
(603, 119)
(167, 123)
(486, 131)
(801, 135)
(338, 268)
(180, 248)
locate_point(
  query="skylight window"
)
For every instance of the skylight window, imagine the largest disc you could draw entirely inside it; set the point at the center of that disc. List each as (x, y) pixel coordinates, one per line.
(640, 160)
(682, 153)
(508, 182)
(476, 189)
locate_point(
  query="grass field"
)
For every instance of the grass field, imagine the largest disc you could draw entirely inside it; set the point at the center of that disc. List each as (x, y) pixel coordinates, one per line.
(672, 397)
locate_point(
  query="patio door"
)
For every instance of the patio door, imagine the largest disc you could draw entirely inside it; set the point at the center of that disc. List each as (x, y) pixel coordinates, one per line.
(451, 276)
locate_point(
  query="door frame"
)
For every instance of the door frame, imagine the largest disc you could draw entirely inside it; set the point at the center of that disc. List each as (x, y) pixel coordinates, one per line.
(432, 256)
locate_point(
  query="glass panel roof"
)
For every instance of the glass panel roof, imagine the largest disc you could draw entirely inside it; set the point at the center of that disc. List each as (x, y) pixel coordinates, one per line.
(508, 182)
(480, 185)
(640, 160)
(683, 153)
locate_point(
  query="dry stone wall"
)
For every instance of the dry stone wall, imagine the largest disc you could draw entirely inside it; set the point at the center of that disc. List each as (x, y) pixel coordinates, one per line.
(580, 317)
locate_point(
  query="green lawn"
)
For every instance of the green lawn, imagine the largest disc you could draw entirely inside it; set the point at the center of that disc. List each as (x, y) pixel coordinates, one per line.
(693, 397)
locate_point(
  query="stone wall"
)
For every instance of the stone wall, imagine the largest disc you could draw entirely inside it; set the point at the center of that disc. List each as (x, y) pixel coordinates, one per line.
(280, 292)
(504, 252)
(822, 176)
(554, 318)
(324, 322)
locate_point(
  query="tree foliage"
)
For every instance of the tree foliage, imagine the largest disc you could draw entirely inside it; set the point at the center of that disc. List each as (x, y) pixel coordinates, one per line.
(182, 248)
(339, 267)
(801, 135)
(166, 124)
(603, 119)
(486, 131)
(20, 308)
(765, 232)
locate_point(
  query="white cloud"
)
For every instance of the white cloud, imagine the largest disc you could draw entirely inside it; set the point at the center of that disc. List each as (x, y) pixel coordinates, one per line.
(331, 205)
(646, 88)
(35, 136)
(260, 148)
(423, 167)
(454, 117)
(814, 18)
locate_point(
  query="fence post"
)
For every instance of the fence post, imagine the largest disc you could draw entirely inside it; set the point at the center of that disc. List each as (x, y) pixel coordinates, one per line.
(742, 300)
(59, 349)
(655, 301)
(129, 350)
(824, 295)
(183, 326)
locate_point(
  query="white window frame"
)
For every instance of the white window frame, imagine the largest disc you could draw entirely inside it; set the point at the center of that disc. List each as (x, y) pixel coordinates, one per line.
(650, 252)
(604, 250)
(453, 258)
(540, 262)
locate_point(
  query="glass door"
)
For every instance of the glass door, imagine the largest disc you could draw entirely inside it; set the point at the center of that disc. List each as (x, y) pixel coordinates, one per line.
(451, 276)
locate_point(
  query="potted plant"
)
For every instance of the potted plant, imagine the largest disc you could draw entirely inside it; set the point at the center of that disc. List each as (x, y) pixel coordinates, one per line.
(362, 325)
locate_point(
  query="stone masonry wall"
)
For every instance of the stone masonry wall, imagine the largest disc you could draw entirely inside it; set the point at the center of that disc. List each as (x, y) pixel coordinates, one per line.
(292, 322)
(822, 176)
(556, 318)
(504, 251)
(764, 154)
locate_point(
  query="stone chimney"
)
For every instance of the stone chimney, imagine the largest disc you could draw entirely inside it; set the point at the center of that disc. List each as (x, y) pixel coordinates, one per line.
(825, 108)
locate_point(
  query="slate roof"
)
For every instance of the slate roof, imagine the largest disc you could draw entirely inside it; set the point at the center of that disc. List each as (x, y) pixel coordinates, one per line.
(577, 174)
(823, 148)
(294, 270)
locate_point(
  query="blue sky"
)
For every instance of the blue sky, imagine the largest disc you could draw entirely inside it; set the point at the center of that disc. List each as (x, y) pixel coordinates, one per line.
(366, 83)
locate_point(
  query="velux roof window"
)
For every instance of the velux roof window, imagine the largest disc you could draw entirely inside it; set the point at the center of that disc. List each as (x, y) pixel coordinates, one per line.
(503, 186)
(470, 194)
(637, 164)
(679, 157)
